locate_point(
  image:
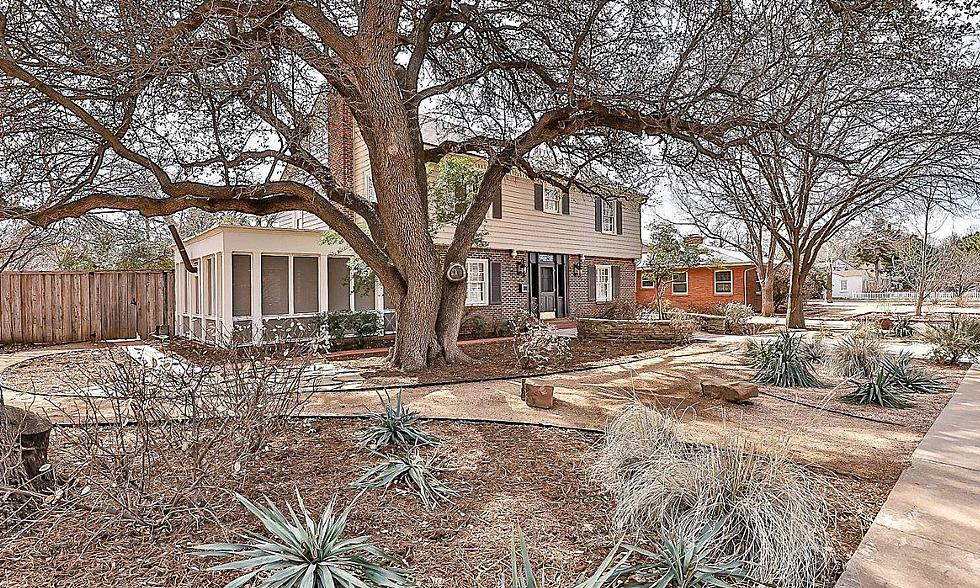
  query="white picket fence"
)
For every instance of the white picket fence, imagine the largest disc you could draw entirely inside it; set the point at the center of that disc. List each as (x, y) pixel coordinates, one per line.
(907, 296)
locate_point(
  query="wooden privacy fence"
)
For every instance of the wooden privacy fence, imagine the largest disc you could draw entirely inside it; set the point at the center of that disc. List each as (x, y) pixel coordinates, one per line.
(66, 307)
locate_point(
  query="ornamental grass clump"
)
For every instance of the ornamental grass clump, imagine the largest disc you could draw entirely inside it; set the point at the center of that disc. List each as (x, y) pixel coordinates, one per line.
(784, 361)
(954, 341)
(420, 474)
(776, 516)
(395, 425)
(301, 552)
(856, 357)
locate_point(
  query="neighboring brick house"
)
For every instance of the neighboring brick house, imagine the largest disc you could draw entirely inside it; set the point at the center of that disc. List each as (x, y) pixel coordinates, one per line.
(553, 254)
(726, 276)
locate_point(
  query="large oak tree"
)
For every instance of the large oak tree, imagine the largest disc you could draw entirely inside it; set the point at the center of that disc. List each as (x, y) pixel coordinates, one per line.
(164, 105)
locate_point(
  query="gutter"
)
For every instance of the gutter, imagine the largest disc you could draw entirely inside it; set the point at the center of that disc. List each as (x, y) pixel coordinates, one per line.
(188, 264)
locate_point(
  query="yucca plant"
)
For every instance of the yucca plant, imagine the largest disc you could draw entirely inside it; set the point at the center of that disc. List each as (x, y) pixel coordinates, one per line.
(902, 327)
(782, 362)
(395, 425)
(679, 562)
(301, 552)
(522, 574)
(911, 378)
(419, 473)
(880, 389)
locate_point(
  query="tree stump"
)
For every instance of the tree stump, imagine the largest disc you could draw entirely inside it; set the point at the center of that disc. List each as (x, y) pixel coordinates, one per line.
(24, 444)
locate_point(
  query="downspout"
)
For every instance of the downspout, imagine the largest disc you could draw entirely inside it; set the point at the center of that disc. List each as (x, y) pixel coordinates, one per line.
(188, 265)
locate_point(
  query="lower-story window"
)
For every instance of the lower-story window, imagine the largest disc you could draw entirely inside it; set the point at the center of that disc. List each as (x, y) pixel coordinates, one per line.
(477, 282)
(603, 283)
(723, 282)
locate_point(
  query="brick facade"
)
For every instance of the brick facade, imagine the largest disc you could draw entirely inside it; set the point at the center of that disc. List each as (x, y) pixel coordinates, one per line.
(514, 272)
(340, 140)
(701, 295)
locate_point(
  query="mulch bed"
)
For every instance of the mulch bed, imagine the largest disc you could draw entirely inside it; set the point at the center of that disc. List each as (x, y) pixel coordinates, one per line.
(64, 373)
(508, 476)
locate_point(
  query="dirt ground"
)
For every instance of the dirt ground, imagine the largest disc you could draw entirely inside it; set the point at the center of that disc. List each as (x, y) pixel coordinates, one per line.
(63, 373)
(507, 476)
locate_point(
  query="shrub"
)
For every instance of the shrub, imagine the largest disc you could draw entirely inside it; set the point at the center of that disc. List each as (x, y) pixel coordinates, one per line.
(477, 325)
(395, 425)
(340, 324)
(420, 474)
(536, 344)
(684, 325)
(856, 357)
(866, 329)
(301, 552)
(880, 389)
(737, 316)
(773, 510)
(953, 341)
(783, 361)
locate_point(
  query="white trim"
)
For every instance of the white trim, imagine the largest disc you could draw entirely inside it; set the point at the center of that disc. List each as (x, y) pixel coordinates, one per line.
(730, 282)
(608, 282)
(687, 284)
(644, 286)
(485, 265)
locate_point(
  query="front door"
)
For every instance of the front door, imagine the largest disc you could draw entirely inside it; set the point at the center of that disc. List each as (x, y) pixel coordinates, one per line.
(547, 285)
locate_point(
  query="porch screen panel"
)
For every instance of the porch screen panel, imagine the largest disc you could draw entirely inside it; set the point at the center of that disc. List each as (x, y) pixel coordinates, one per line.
(306, 285)
(275, 284)
(241, 285)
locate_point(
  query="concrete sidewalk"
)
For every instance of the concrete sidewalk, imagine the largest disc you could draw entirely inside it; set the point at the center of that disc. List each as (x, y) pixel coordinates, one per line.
(927, 534)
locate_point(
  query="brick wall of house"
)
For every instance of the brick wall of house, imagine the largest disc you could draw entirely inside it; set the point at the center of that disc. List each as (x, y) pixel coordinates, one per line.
(512, 300)
(701, 295)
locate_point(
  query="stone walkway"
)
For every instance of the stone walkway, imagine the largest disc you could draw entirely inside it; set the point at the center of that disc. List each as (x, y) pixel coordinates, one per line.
(927, 535)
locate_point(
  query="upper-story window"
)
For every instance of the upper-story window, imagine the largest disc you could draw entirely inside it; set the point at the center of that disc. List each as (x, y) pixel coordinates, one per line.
(552, 201)
(608, 217)
(369, 187)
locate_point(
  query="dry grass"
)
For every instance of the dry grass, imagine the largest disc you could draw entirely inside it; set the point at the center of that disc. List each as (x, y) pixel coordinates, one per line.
(777, 515)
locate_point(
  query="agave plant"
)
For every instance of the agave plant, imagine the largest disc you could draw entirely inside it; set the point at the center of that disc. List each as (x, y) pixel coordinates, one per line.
(395, 425)
(902, 327)
(911, 378)
(880, 389)
(783, 361)
(301, 552)
(420, 474)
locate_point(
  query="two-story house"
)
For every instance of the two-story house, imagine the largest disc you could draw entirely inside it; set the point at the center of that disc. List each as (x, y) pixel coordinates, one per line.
(549, 252)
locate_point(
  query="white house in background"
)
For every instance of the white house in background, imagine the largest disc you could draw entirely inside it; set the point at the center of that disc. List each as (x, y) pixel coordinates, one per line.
(848, 281)
(254, 280)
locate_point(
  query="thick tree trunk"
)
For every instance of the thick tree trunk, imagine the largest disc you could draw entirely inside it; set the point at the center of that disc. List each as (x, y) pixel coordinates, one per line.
(768, 293)
(795, 318)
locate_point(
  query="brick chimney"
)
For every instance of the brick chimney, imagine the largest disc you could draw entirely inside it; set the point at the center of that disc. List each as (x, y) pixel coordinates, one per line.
(340, 140)
(693, 240)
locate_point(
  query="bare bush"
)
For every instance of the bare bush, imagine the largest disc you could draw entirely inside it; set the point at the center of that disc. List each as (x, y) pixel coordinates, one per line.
(737, 316)
(537, 345)
(776, 513)
(156, 439)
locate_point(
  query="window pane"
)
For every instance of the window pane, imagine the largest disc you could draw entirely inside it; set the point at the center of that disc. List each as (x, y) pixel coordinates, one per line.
(723, 282)
(209, 286)
(476, 282)
(241, 285)
(306, 285)
(275, 284)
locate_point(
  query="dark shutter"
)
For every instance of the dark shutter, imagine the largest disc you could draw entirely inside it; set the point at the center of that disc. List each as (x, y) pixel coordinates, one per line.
(495, 282)
(615, 282)
(565, 208)
(538, 196)
(592, 282)
(619, 217)
(598, 214)
(496, 207)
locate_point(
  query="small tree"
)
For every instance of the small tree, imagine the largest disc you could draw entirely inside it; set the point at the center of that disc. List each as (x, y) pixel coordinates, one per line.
(666, 251)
